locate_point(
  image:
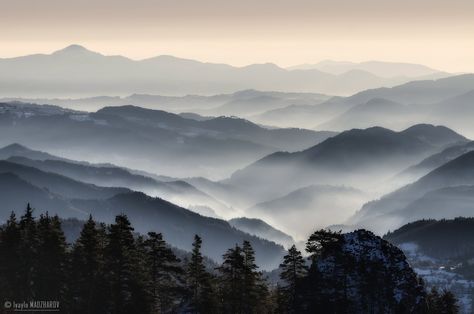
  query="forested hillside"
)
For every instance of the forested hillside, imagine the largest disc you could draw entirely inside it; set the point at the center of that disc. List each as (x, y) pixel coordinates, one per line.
(111, 269)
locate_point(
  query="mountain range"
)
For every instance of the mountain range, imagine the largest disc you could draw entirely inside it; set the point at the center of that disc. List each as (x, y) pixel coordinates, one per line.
(347, 158)
(444, 101)
(261, 229)
(242, 103)
(427, 101)
(446, 192)
(70, 198)
(130, 135)
(382, 69)
(78, 72)
(320, 205)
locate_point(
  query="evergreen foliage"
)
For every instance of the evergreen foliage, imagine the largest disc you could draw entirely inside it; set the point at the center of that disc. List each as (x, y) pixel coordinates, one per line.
(110, 269)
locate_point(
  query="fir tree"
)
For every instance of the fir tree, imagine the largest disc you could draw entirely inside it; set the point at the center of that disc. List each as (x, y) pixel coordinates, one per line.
(199, 282)
(51, 259)
(28, 262)
(10, 259)
(293, 270)
(121, 258)
(231, 281)
(255, 290)
(447, 303)
(87, 279)
(165, 282)
(444, 303)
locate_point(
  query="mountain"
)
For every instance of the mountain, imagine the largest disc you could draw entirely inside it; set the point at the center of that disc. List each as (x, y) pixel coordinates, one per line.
(418, 102)
(16, 192)
(351, 158)
(375, 269)
(59, 184)
(452, 112)
(68, 198)
(382, 69)
(374, 112)
(445, 101)
(221, 127)
(441, 239)
(108, 175)
(76, 71)
(261, 229)
(16, 149)
(129, 136)
(306, 116)
(445, 192)
(251, 102)
(177, 192)
(241, 103)
(178, 225)
(439, 135)
(435, 161)
(441, 252)
(320, 205)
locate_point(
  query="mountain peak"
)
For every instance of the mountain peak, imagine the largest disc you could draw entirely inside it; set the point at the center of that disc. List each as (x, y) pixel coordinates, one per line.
(15, 146)
(74, 50)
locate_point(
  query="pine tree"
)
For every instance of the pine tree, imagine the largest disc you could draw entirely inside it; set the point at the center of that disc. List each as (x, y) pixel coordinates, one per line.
(255, 290)
(10, 258)
(50, 273)
(321, 292)
(242, 287)
(121, 263)
(293, 270)
(231, 281)
(448, 303)
(29, 249)
(165, 284)
(87, 273)
(199, 282)
(442, 303)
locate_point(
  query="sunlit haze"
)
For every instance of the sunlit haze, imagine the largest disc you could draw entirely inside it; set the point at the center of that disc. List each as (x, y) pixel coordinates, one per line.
(436, 33)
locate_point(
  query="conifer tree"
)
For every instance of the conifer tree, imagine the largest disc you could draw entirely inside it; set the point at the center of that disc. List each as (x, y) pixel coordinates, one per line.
(293, 270)
(87, 274)
(199, 281)
(231, 281)
(122, 258)
(50, 273)
(165, 284)
(441, 303)
(447, 303)
(28, 248)
(255, 290)
(10, 258)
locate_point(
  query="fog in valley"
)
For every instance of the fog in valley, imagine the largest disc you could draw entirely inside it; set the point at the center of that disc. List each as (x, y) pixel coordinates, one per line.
(259, 151)
(237, 157)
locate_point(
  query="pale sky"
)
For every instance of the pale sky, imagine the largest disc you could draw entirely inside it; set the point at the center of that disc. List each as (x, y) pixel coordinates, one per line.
(437, 33)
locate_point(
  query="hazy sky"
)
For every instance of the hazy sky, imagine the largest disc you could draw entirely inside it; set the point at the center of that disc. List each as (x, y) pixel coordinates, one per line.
(438, 33)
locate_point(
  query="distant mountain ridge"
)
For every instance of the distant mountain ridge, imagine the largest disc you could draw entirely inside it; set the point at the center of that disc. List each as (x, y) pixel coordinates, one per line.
(320, 205)
(379, 68)
(58, 194)
(352, 152)
(261, 229)
(76, 71)
(446, 101)
(445, 192)
(398, 107)
(179, 192)
(132, 135)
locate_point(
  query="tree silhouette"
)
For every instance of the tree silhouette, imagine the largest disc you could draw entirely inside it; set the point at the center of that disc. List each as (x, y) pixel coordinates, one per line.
(199, 282)
(293, 270)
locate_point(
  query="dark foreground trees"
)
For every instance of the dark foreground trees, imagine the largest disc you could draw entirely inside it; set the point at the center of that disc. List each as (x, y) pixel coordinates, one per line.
(110, 269)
